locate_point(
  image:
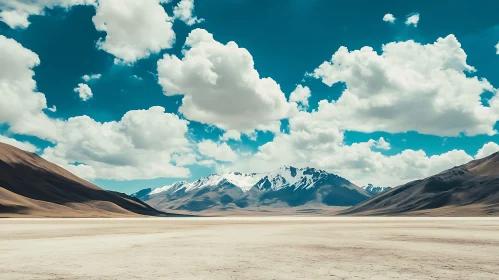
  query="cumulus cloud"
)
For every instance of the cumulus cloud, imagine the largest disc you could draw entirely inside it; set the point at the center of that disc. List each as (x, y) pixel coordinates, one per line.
(185, 12)
(308, 132)
(412, 20)
(15, 13)
(316, 142)
(185, 159)
(382, 144)
(497, 48)
(14, 18)
(217, 151)
(207, 163)
(221, 86)
(88, 78)
(300, 95)
(144, 144)
(134, 29)
(84, 92)
(487, 150)
(389, 18)
(139, 146)
(408, 87)
(26, 146)
(427, 88)
(231, 135)
(22, 106)
(52, 109)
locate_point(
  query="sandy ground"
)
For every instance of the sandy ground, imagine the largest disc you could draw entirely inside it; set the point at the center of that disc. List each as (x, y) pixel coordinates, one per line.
(250, 248)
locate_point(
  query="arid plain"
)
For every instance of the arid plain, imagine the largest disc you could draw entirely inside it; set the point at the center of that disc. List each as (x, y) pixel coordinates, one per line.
(250, 248)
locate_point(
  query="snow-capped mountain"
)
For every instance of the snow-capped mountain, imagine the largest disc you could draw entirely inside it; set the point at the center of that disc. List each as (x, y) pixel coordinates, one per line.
(286, 187)
(372, 190)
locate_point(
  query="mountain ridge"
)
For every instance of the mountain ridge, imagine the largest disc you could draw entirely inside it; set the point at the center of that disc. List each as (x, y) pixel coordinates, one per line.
(471, 189)
(30, 186)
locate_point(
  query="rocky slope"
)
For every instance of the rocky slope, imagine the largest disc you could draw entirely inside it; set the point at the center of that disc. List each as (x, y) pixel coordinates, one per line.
(471, 189)
(33, 187)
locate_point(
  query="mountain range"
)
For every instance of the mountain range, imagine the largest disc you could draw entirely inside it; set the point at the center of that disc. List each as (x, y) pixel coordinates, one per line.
(286, 187)
(33, 187)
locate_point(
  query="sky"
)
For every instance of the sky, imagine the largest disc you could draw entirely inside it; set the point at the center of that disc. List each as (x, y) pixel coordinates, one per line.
(139, 94)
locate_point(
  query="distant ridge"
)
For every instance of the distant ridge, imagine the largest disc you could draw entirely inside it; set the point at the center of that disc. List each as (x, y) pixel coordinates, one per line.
(33, 187)
(372, 190)
(471, 189)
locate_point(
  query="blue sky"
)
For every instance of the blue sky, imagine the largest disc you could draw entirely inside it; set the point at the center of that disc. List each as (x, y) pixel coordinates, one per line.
(378, 138)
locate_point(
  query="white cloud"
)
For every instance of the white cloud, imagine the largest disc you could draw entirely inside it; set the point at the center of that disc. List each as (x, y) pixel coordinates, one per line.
(382, 144)
(154, 128)
(315, 141)
(135, 29)
(185, 12)
(300, 95)
(148, 26)
(221, 86)
(21, 105)
(497, 48)
(14, 18)
(190, 158)
(218, 151)
(412, 20)
(137, 78)
(139, 146)
(487, 150)
(52, 109)
(84, 92)
(88, 78)
(26, 146)
(185, 159)
(389, 18)
(408, 87)
(309, 136)
(231, 135)
(207, 163)
(15, 13)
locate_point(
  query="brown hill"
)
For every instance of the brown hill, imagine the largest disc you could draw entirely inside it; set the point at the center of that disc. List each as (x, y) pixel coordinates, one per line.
(471, 189)
(33, 187)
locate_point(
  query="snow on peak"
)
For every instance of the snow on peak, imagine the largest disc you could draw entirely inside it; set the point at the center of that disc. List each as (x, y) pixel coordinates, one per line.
(165, 188)
(242, 180)
(288, 176)
(284, 177)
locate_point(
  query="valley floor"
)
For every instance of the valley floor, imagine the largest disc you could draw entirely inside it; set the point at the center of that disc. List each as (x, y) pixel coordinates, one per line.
(250, 248)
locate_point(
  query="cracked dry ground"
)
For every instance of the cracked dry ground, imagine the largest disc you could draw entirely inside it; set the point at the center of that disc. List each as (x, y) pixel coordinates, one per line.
(250, 248)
